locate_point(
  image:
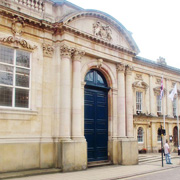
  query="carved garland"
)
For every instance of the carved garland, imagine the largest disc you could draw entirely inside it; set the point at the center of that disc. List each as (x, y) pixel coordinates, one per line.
(48, 50)
(18, 41)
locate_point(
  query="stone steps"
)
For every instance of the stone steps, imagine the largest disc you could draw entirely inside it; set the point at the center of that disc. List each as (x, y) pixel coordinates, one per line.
(98, 163)
(152, 158)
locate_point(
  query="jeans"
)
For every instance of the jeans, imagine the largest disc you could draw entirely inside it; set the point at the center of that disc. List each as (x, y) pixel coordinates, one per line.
(168, 158)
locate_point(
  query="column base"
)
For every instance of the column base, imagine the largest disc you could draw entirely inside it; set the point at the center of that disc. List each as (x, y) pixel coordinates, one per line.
(127, 151)
(73, 155)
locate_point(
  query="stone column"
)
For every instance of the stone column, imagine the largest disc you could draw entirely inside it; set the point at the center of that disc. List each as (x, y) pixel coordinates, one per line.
(151, 95)
(121, 101)
(76, 96)
(129, 101)
(65, 92)
(154, 137)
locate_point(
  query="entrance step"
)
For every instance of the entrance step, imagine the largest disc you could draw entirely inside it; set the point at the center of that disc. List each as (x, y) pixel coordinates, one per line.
(98, 163)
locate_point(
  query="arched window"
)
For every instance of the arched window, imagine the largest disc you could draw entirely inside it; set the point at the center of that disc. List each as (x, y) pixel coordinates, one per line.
(175, 136)
(140, 134)
(95, 78)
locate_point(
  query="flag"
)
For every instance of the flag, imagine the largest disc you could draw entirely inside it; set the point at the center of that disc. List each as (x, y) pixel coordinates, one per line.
(161, 92)
(173, 93)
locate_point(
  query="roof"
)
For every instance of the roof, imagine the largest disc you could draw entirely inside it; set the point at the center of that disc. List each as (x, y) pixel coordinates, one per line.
(156, 64)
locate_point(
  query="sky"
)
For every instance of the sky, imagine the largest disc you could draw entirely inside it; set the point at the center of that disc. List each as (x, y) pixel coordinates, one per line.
(155, 24)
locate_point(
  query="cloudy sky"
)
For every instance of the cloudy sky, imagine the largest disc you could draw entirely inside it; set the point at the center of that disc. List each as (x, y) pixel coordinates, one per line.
(155, 24)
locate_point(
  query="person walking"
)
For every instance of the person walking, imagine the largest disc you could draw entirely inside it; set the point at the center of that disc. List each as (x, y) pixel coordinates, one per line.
(167, 153)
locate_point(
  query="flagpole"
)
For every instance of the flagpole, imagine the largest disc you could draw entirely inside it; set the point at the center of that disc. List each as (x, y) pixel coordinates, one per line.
(177, 118)
(163, 113)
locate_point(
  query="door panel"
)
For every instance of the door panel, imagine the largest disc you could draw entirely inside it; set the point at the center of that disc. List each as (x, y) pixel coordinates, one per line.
(96, 123)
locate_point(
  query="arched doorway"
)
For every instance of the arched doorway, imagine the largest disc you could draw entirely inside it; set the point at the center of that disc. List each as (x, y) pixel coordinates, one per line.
(175, 136)
(96, 115)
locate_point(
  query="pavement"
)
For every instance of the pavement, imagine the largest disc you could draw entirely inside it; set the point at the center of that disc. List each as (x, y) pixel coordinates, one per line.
(148, 163)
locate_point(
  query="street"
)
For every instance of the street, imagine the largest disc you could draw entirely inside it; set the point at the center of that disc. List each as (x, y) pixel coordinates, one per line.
(167, 174)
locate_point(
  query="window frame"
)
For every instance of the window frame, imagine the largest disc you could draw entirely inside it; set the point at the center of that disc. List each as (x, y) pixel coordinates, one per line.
(140, 136)
(158, 101)
(14, 86)
(139, 100)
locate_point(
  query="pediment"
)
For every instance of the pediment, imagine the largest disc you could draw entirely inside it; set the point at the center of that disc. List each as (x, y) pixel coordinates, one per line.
(140, 84)
(157, 90)
(100, 26)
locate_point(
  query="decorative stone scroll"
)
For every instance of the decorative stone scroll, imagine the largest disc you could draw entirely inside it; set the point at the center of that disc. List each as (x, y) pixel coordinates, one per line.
(48, 50)
(17, 41)
(17, 26)
(66, 51)
(140, 84)
(102, 31)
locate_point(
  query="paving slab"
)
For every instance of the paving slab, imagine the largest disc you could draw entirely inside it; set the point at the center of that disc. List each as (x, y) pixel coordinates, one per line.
(110, 172)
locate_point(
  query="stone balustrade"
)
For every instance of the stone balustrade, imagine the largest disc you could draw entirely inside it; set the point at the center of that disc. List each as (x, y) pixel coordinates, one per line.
(33, 4)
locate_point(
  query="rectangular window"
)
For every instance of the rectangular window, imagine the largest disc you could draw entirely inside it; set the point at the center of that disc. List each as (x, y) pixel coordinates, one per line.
(14, 77)
(174, 107)
(138, 101)
(158, 104)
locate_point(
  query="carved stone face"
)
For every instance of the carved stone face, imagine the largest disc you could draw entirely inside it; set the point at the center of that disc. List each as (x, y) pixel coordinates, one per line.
(17, 27)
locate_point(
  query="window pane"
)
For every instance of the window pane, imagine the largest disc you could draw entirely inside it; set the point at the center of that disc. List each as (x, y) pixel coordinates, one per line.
(22, 58)
(6, 55)
(21, 98)
(89, 77)
(22, 77)
(5, 96)
(6, 78)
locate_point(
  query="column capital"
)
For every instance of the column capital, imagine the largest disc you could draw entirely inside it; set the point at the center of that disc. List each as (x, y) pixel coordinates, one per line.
(77, 55)
(66, 51)
(120, 67)
(129, 69)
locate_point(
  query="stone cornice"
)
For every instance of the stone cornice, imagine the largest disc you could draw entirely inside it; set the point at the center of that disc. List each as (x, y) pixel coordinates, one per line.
(8, 12)
(61, 27)
(65, 28)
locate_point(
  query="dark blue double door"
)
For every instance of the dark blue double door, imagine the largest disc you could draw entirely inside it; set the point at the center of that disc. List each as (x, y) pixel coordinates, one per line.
(96, 123)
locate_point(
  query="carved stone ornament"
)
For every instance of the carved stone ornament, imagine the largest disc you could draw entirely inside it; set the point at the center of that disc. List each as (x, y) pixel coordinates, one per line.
(99, 63)
(78, 55)
(129, 69)
(66, 51)
(157, 91)
(158, 81)
(120, 67)
(102, 31)
(161, 61)
(18, 41)
(139, 77)
(140, 84)
(17, 26)
(48, 50)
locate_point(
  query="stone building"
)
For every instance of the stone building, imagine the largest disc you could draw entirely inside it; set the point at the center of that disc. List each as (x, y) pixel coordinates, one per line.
(73, 90)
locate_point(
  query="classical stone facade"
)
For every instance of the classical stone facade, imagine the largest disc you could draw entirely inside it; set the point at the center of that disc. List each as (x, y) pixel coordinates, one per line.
(68, 83)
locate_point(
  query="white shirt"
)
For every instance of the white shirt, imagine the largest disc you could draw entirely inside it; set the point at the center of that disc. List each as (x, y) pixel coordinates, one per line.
(166, 148)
